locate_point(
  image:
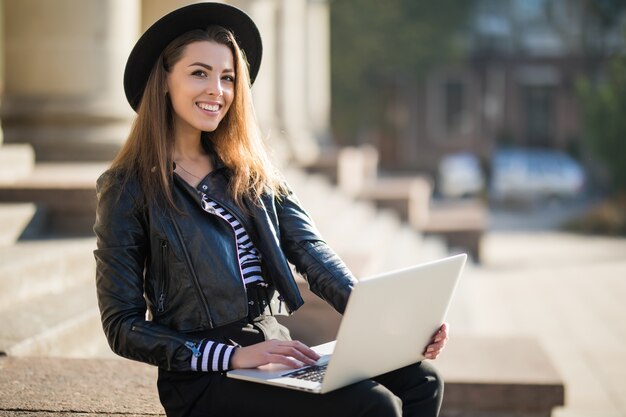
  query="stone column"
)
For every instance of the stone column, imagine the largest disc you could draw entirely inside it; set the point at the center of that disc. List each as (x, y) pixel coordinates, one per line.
(153, 10)
(294, 72)
(264, 90)
(63, 78)
(267, 85)
(1, 62)
(318, 63)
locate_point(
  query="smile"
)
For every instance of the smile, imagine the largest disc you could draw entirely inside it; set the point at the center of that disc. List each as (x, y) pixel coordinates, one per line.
(208, 107)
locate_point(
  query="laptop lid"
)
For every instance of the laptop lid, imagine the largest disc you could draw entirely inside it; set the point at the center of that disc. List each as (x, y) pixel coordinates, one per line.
(389, 320)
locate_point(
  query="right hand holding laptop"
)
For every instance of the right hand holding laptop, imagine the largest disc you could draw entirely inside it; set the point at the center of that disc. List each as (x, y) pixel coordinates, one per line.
(438, 342)
(291, 353)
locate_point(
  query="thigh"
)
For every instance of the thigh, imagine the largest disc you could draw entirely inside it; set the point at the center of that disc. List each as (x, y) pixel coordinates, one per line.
(230, 397)
(419, 386)
(405, 378)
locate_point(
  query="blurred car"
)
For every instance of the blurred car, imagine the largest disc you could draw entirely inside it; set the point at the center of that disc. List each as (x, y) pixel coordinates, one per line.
(535, 174)
(460, 175)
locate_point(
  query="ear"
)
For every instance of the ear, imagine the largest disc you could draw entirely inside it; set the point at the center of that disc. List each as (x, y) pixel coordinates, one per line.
(166, 86)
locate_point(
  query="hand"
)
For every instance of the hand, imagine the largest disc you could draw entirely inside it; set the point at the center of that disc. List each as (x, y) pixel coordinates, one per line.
(291, 353)
(437, 343)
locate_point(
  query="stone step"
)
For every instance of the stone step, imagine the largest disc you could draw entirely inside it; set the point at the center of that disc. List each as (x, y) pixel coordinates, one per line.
(33, 268)
(357, 230)
(16, 161)
(66, 192)
(13, 220)
(55, 324)
(341, 220)
(407, 250)
(485, 376)
(77, 387)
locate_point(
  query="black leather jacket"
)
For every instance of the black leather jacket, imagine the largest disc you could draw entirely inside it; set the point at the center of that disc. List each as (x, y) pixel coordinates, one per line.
(184, 268)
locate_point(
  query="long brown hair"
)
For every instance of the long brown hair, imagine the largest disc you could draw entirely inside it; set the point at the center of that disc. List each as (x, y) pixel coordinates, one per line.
(147, 153)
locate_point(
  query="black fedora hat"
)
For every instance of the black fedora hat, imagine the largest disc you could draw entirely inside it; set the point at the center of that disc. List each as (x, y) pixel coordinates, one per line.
(196, 16)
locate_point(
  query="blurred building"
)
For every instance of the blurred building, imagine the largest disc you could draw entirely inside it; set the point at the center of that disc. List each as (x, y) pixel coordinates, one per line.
(61, 81)
(518, 86)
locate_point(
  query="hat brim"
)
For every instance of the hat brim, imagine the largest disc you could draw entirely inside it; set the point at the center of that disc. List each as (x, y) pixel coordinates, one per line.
(196, 16)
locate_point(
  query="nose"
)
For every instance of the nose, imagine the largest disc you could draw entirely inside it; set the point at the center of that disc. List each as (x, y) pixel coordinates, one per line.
(214, 87)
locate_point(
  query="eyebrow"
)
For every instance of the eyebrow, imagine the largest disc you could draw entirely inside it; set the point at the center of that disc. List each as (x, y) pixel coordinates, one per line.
(208, 67)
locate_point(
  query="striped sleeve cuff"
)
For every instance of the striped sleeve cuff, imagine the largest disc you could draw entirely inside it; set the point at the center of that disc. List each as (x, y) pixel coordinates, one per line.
(212, 356)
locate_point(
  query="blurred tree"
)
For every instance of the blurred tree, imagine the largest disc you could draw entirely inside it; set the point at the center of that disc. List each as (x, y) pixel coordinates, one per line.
(604, 16)
(604, 107)
(603, 93)
(377, 44)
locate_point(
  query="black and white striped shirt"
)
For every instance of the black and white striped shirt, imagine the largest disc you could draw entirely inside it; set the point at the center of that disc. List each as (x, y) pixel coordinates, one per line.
(249, 258)
(214, 356)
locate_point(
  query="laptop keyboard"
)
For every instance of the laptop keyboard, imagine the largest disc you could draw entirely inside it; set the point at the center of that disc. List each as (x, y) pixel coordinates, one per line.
(313, 373)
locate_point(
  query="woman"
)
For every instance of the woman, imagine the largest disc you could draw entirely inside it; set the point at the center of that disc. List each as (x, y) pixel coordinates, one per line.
(196, 231)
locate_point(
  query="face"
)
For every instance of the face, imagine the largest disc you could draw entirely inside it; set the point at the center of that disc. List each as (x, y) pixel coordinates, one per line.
(201, 86)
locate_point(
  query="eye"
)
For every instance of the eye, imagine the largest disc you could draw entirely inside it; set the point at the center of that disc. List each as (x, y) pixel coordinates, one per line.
(199, 73)
(229, 78)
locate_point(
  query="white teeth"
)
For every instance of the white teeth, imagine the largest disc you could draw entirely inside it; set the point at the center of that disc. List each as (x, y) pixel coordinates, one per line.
(209, 107)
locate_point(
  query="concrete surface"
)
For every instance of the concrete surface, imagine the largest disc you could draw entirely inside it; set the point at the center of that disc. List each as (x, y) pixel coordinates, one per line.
(498, 376)
(476, 383)
(78, 387)
(568, 292)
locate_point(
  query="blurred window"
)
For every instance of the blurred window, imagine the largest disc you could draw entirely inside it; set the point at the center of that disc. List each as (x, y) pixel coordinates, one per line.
(449, 113)
(530, 10)
(540, 114)
(454, 105)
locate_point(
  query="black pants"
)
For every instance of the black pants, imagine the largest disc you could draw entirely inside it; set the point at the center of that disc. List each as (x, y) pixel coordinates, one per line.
(415, 391)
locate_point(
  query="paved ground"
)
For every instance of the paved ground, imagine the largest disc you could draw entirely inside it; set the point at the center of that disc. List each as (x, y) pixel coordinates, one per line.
(567, 291)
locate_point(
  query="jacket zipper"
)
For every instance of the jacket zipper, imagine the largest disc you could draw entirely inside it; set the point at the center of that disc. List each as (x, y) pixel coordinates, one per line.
(164, 277)
(188, 343)
(192, 272)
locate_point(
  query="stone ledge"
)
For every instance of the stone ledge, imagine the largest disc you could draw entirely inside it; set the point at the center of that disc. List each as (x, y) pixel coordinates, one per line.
(461, 223)
(65, 192)
(493, 377)
(498, 376)
(77, 386)
(29, 413)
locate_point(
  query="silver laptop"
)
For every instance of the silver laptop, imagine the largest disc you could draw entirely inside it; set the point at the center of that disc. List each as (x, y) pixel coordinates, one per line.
(389, 320)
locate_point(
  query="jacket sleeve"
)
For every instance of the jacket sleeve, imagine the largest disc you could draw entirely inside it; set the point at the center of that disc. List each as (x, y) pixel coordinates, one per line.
(327, 275)
(122, 248)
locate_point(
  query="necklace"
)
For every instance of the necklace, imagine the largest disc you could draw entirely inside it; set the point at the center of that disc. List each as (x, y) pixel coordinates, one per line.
(183, 168)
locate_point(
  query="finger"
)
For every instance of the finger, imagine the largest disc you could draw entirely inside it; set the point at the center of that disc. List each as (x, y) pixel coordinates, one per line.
(432, 354)
(306, 350)
(442, 333)
(293, 352)
(440, 338)
(302, 349)
(284, 360)
(434, 347)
